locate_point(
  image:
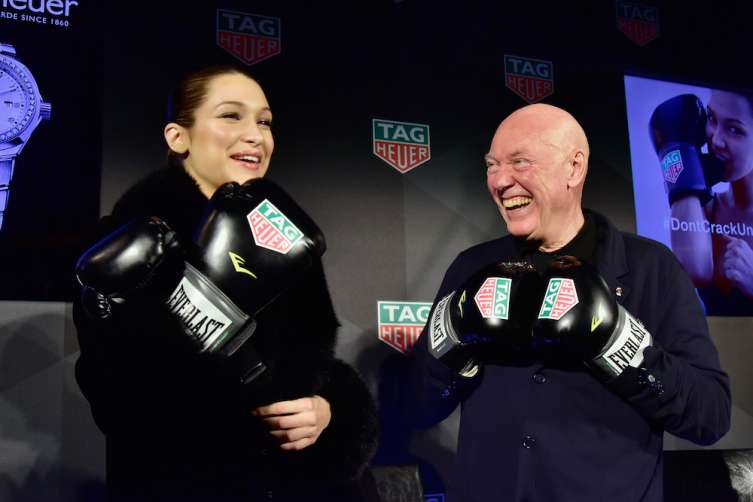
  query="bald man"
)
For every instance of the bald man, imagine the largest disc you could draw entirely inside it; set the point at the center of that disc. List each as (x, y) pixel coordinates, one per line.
(536, 429)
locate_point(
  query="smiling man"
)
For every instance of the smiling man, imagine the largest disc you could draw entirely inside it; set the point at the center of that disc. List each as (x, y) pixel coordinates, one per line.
(559, 400)
(535, 171)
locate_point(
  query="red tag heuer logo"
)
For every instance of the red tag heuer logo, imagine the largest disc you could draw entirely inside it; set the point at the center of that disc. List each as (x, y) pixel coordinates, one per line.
(402, 145)
(531, 79)
(560, 297)
(493, 298)
(249, 37)
(639, 22)
(272, 229)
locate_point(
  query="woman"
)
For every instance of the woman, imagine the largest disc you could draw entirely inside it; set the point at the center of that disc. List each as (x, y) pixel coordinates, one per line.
(176, 428)
(720, 258)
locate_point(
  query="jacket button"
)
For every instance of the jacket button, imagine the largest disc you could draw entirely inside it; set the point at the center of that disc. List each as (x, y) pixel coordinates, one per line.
(529, 441)
(539, 378)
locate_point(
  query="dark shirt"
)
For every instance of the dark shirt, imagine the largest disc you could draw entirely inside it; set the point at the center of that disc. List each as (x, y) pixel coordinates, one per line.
(582, 246)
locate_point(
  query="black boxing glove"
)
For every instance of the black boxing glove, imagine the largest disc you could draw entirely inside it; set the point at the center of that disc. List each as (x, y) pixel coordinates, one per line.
(490, 313)
(137, 264)
(580, 319)
(678, 131)
(252, 243)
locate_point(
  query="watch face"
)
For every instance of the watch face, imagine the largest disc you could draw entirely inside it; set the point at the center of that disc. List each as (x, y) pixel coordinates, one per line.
(18, 100)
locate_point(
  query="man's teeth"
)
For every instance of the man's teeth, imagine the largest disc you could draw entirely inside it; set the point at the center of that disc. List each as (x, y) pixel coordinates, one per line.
(516, 202)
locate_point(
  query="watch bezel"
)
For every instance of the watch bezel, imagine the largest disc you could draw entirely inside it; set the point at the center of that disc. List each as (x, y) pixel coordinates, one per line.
(23, 76)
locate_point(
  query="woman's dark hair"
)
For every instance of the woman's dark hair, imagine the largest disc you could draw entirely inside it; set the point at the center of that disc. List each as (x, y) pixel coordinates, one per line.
(189, 94)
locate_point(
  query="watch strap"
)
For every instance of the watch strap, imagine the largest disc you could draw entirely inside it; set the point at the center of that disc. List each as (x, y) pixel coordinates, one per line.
(6, 173)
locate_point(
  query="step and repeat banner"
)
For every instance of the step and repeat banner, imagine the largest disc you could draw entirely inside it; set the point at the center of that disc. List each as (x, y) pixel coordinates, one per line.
(383, 113)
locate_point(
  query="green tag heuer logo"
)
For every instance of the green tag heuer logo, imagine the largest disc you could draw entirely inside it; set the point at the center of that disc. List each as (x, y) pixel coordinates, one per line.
(400, 323)
(493, 298)
(560, 298)
(403, 145)
(272, 229)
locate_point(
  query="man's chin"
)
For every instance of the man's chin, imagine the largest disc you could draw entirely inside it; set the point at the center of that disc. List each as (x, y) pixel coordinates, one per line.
(520, 231)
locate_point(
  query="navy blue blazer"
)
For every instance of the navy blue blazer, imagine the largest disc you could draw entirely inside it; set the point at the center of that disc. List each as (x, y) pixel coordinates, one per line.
(531, 432)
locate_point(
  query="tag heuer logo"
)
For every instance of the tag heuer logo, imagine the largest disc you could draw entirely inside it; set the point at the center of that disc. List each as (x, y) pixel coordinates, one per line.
(671, 166)
(531, 79)
(400, 323)
(639, 22)
(493, 298)
(272, 229)
(560, 298)
(249, 37)
(401, 144)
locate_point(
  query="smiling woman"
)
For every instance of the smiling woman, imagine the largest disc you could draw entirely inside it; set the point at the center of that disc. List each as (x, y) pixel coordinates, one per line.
(177, 426)
(224, 135)
(719, 258)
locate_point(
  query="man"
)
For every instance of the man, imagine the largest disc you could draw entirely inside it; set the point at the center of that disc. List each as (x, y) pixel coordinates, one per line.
(534, 429)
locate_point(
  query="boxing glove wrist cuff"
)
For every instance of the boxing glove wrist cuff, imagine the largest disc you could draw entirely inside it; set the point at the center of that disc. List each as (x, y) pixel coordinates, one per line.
(625, 347)
(205, 313)
(444, 343)
(683, 172)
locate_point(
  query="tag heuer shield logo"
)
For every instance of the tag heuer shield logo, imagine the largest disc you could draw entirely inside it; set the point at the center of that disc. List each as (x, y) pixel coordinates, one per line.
(249, 37)
(639, 22)
(493, 298)
(671, 166)
(402, 145)
(531, 79)
(272, 229)
(400, 323)
(560, 297)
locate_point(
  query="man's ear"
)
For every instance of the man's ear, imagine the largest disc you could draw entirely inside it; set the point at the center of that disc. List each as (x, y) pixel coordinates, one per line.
(176, 137)
(578, 168)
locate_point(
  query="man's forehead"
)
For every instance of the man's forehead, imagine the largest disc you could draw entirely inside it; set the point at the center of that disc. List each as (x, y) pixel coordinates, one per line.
(517, 142)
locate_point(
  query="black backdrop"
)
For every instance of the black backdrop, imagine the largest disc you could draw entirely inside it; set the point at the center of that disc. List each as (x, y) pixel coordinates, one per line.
(341, 65)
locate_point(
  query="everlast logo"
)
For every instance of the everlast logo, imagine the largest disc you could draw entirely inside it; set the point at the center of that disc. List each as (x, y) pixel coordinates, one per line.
(531, 79)
(493, 298)
(437, 333)
(402, 145)
(200, 324)
(671, 166)
(249, 37)
(639, 22)
(272, 229)
(561, 296)
(622, 357)
(400, 323)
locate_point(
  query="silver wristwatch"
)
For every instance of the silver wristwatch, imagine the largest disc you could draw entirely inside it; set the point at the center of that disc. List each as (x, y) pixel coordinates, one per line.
(21, 110)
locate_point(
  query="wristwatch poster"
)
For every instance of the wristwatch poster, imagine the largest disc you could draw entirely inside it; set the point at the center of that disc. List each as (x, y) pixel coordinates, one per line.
(21, 111)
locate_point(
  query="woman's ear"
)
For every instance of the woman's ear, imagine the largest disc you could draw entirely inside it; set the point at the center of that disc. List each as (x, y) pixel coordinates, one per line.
(176, 137)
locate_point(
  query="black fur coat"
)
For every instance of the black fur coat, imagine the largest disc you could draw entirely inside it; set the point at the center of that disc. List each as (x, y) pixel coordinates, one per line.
(177, 428)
